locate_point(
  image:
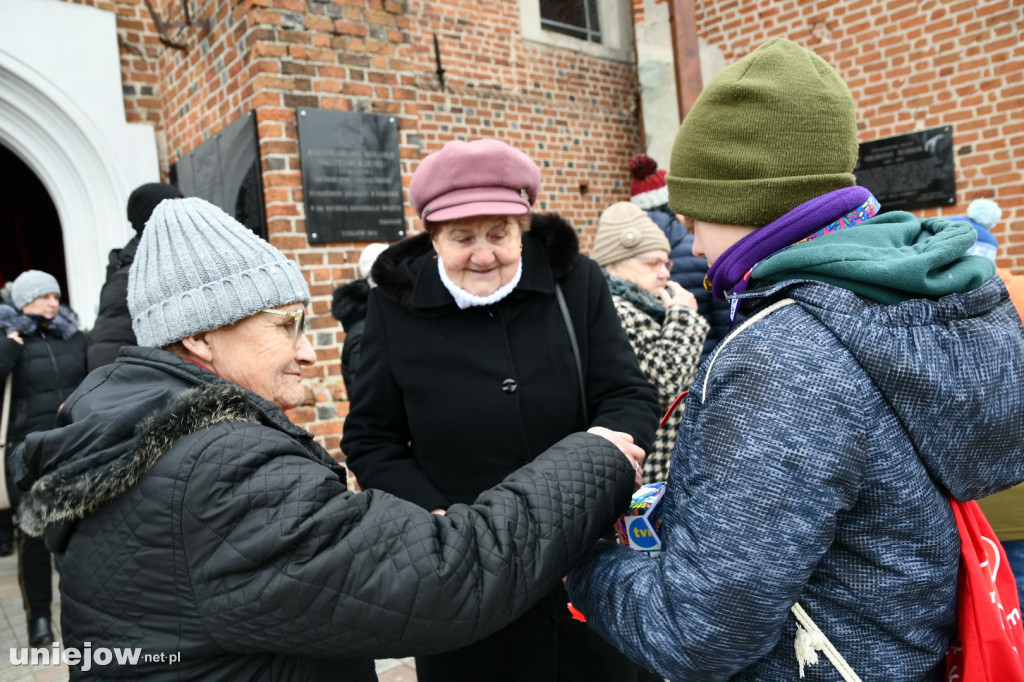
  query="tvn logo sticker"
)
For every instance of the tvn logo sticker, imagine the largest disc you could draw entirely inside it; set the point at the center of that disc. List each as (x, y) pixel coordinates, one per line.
(641, 535)
(640, 527)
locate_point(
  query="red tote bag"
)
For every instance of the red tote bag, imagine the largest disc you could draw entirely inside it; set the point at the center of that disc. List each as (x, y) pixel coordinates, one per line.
(991, 639)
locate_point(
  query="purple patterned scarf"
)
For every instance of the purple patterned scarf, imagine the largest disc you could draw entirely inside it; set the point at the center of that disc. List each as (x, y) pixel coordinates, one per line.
(836, 211)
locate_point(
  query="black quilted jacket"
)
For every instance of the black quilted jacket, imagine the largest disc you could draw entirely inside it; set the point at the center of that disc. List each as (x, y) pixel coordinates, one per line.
(219, 532)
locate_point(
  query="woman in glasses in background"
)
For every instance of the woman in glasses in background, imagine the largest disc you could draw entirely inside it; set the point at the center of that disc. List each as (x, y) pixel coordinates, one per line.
(659, 315)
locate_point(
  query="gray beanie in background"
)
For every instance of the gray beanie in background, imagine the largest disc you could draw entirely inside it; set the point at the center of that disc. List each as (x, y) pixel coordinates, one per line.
(30, 285)
(198, 269)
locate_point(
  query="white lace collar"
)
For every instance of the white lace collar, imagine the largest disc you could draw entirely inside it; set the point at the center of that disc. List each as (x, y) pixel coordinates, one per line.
(464, 299)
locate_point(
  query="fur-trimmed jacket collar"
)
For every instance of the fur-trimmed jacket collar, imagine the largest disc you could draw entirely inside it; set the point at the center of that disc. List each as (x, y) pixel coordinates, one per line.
(407, 272)
(67, 496)
(63, 325)
(122, 420)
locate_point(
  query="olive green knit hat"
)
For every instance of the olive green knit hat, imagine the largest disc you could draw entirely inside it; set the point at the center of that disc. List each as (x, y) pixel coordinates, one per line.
(771, 131)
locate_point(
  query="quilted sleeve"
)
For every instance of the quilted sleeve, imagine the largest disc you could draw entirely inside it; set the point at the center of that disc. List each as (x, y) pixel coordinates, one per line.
(283, 558)
(10, 352)
(765, 466)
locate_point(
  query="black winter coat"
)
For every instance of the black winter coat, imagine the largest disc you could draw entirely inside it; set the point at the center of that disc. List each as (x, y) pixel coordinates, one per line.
(689, 272)
(113, 327)
(47, 368)
(190, 517)
(348, 306)
(451, 401)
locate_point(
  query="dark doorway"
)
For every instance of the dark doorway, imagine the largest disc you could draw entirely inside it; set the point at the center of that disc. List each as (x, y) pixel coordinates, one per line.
(30, 234)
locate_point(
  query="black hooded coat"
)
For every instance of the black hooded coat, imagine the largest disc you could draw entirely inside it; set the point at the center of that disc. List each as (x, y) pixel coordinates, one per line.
(436, 382)
(113, 328)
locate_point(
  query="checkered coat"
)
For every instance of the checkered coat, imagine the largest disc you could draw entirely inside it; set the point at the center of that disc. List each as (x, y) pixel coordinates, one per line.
(668, 346)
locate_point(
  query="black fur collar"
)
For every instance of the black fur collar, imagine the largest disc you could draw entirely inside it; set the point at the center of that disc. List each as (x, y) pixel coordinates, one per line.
(396, 269)
(58, 498)
(64, 325)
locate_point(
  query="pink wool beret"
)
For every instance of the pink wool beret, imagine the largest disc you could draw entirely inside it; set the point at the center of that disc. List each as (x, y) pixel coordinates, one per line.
(465, 179)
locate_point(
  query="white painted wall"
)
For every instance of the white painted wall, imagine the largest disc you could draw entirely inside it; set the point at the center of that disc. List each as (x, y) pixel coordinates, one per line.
(62, 113)
(656, 72)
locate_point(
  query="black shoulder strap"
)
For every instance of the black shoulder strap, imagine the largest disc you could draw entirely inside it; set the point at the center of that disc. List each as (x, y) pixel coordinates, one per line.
(575, 349)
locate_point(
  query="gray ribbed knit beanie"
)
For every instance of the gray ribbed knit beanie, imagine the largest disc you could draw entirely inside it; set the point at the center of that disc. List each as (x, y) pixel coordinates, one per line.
(30, 285)
(625, 230)
(198, 269)
(768, 133)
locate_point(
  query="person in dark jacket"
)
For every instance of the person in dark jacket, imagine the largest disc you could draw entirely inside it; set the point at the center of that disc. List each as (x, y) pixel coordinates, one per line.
(44, 352)
(202, 533)
(348, 306)
(647, 190)
(113, 327)
(465, 328)
(6, 515)
(880, 371)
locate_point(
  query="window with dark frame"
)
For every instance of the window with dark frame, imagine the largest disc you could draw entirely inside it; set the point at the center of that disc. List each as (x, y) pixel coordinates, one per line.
(576, 18)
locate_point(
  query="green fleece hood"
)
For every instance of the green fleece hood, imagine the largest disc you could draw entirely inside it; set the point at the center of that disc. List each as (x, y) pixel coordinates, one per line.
(890, 258)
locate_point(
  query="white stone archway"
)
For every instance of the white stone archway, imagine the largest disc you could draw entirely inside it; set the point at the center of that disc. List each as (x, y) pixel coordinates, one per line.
(62, 113)
(81, 176)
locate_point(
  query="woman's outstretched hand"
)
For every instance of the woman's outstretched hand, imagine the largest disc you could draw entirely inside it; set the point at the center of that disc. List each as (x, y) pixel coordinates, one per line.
(624, 442)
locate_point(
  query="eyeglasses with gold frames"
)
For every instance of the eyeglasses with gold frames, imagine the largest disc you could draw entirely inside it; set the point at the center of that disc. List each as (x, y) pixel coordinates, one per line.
(655, 263)
(300, 321)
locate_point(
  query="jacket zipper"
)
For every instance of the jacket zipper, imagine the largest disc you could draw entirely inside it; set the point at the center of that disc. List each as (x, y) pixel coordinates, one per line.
(56, 373)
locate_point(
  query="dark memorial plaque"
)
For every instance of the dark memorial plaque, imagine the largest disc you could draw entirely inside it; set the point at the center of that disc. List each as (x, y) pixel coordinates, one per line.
(225, 170)
(351, 176)
(911, 171)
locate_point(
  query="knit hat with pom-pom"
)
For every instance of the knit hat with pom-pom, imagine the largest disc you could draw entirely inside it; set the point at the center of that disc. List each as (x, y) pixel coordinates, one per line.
(648, 189)
(983, 214)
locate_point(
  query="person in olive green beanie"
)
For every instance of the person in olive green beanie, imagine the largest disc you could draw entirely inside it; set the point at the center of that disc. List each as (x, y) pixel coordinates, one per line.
(880, 370)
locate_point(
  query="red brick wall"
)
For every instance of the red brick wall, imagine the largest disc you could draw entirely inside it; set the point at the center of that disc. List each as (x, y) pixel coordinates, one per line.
(909, 64)
(574, 114)
(914, 65)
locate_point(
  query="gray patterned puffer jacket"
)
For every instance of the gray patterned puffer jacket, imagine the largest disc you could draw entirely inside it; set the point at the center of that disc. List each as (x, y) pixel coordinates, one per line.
(839, 501)
(221, 533)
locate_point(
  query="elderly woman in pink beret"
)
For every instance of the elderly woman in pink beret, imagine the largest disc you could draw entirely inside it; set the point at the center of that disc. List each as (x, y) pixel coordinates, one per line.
(488, 338)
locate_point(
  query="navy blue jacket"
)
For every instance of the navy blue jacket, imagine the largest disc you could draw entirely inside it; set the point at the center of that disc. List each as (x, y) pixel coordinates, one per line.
(689, 271)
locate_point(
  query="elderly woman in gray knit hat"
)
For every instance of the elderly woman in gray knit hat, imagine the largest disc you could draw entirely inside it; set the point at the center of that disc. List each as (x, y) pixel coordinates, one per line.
(42, 355)
(203, 535)
(660, 316)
